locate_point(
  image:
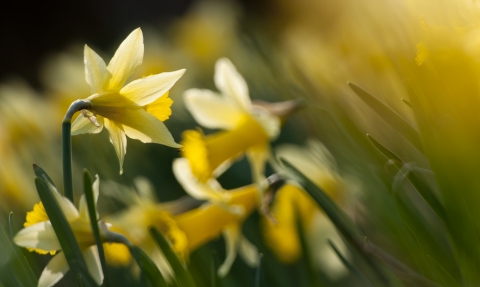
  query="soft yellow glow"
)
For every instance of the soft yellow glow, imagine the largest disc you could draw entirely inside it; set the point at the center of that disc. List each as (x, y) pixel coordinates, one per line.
(117, 254)
(206, 153)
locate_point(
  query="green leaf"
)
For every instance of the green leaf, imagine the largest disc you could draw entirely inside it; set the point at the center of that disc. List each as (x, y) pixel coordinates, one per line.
(344, 225)
(42, 174)
(348, 265)
(390, 116)
(183, 277)
(92, 212)
(423, 189)
(148, 267)
(258, 273)
(14, 268)
(64, 233)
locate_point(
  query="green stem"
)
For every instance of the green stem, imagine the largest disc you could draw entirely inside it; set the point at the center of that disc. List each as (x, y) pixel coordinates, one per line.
(67, 146)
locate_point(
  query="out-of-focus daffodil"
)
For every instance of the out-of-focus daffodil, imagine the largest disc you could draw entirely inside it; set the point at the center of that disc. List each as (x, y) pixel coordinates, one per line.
(39, 236)
(293, 205)
(231, 206)
(249, 127)
(135, 110)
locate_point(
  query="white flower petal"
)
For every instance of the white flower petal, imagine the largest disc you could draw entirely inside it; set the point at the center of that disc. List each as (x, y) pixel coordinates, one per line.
(82, 125)
(232, 239)
(93, 264)
(68, 208)
(95, 70)
(145, 91)
(248, 252)
(231, 83)
(118, 139)
(54, 271)
(126, 59)
(40, 235)
(140, 125)
(190, 183)
(212, 110)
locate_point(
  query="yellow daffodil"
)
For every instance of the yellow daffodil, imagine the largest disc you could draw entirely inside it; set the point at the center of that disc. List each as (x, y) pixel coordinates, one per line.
(249, 127)
(293, 205)
(225, 212)
(135, 110)
(39, 236)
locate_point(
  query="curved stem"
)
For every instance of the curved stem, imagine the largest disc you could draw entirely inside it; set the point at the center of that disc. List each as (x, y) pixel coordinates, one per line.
(67, 146)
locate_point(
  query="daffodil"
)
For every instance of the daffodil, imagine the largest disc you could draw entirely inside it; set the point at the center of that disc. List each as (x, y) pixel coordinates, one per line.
(135, 110)
(225, 212)
(39, 236)
(293, 205)
(249, 127)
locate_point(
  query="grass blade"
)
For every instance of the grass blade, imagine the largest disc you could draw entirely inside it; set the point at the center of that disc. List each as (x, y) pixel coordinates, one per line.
(183, 277)
(348, 265)
(258, 273)
(148, 267)
(390, 116)
(92, 212)
(423, 189)
(64, 233)
(42, 174)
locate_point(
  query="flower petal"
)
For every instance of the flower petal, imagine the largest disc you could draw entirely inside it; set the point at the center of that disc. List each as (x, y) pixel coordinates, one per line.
(93, 264)
(82, 125)
(257, 157)
(232, 239)
(40, 235)
(118, 139)
(68, 208)
(183, 174)
(248, 252)
(145, 91)
(54, 271)
(126, 59)
(212, 110)
(95, 70)
(231, 83)
(140, 125)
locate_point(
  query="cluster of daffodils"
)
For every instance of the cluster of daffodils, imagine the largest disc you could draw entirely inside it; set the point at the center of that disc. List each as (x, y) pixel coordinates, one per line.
(137, 110)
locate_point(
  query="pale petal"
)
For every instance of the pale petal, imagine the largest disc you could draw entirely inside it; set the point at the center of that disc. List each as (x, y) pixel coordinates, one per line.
(40, 235)
(82, 125)
(126, 59)
(162, 263)
(232, 238)
(68, 208)
(145, 91)
(212, 110)
(145, 189)
(83, 207)
(54, 271)
(140, 125)
(190, 183)
(118, 139)
(95, 70)
(231, 83)
(248, 252)
(93, 264)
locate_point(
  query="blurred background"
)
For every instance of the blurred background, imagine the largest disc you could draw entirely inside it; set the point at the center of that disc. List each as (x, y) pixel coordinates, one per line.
(419, 60)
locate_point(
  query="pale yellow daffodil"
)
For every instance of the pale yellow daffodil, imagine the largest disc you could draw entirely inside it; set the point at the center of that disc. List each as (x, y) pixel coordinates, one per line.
(231, 207)
(135, 110)
(249, 128)
(293, 205)
(39, 236)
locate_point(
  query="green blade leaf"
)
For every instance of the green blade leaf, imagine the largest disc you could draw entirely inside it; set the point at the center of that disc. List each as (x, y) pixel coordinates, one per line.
(42, 174)
(344, 225)
(390, 116)
(423, 189)
(183, 277)
(148, 267)
(92, 212)
(348, 265)
(64, 233)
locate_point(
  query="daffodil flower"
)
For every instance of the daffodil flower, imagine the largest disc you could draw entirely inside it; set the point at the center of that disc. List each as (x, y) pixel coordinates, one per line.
(249, 127)
(135, 110)
(292, 205)
(225, 212)
(39, 236)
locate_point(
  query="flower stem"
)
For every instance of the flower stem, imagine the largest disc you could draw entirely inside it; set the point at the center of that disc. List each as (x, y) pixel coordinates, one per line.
(67, 146)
